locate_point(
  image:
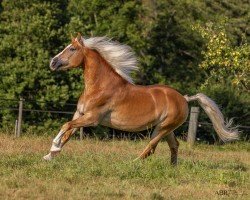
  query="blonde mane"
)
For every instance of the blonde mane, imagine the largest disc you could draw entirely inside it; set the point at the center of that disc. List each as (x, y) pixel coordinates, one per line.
(121, 57)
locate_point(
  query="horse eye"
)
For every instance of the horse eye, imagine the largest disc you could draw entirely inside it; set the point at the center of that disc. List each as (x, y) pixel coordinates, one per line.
(72, 49)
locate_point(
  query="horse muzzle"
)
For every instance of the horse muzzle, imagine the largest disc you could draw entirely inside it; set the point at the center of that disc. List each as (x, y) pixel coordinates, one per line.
(55, 64)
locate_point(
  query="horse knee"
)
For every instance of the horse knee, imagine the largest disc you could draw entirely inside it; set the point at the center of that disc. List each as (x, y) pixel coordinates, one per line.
(66, 126)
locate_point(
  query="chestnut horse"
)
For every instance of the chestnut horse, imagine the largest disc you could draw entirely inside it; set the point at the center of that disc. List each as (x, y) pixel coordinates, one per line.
(111, 99)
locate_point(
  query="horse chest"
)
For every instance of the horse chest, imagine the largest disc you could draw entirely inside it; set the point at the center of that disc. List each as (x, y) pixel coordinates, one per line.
(80, 108)
(89, 103)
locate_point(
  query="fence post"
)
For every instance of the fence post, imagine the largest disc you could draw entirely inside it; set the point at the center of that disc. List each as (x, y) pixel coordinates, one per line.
(16, 124)
(193, 123)
(113, 134)
(20, 116)
(81, 133)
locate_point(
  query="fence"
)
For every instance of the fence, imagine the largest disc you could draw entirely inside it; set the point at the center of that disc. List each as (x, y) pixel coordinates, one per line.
(193, 122)
(21, 109)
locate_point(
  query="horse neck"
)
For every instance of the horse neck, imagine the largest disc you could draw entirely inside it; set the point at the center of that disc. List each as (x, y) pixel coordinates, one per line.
(98, 74)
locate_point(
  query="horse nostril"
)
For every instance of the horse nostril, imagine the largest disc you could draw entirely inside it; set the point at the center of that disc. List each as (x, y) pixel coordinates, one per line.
(54, 61)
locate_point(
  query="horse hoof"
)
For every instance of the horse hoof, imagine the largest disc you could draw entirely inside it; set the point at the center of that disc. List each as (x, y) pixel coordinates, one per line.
(48, 157)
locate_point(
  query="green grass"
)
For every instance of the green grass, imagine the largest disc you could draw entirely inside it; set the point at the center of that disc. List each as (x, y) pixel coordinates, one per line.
(93, 169)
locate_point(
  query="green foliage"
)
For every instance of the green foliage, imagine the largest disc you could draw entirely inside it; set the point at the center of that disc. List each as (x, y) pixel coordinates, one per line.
(30, 32)
(172, 47)
(228, 70)
(223, 60)
(169, 50)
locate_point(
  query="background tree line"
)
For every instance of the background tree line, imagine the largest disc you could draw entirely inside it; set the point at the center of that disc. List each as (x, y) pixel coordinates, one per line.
(193, 46)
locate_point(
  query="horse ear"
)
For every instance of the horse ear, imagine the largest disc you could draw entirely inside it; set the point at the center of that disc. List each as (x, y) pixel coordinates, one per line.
(80, 39)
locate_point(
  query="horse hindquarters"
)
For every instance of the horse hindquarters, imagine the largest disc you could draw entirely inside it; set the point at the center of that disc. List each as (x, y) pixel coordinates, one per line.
(177, 111)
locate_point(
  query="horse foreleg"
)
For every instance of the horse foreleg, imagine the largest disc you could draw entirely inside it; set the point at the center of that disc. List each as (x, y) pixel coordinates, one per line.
(67, 136)
(62, 141)
(62, 135)
(89, 119)
(57, 147)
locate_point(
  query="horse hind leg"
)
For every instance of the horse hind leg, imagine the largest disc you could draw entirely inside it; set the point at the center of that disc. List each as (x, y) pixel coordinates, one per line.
(156, 137)
(173, 145)
(165, 128)
(149, 149)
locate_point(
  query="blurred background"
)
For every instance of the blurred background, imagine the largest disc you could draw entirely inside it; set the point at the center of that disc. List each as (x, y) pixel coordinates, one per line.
(192, 45)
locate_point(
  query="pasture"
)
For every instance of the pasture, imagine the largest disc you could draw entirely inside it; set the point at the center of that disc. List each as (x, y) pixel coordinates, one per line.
(94, 169)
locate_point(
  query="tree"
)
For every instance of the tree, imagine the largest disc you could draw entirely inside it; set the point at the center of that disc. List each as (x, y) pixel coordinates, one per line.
(223, 60)
(227, 72)
(160, 32)
(31, 32)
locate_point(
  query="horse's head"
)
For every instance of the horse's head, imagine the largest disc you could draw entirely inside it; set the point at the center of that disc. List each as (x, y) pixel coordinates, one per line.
(72, 56)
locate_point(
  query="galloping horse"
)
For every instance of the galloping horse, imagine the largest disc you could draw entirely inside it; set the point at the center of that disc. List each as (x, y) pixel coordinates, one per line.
(111, 99)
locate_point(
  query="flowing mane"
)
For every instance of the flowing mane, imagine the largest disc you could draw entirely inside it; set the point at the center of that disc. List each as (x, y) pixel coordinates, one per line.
(121, 57)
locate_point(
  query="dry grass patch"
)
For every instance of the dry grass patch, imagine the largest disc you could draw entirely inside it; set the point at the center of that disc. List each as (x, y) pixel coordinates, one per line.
(94, 169)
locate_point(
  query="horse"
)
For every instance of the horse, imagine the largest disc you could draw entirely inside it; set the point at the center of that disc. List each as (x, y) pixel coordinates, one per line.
(110, 98)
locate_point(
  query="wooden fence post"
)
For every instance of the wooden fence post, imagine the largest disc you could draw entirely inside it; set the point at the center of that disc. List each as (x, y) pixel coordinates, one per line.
(81, 133)
(20, 116)
(113, 134)
(16, 124)
(193, 123)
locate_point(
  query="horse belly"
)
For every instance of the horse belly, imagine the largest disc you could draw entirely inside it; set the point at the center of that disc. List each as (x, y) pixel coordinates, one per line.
(133, 118)
(128, 125)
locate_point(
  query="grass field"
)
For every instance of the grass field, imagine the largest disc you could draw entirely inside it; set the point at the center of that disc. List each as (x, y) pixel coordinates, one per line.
(93, 169)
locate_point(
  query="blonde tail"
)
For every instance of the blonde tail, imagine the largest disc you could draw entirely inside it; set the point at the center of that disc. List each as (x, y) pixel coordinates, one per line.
(223, 129)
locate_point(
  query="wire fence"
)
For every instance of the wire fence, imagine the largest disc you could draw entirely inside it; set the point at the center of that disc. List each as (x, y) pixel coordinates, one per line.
(19, 106)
